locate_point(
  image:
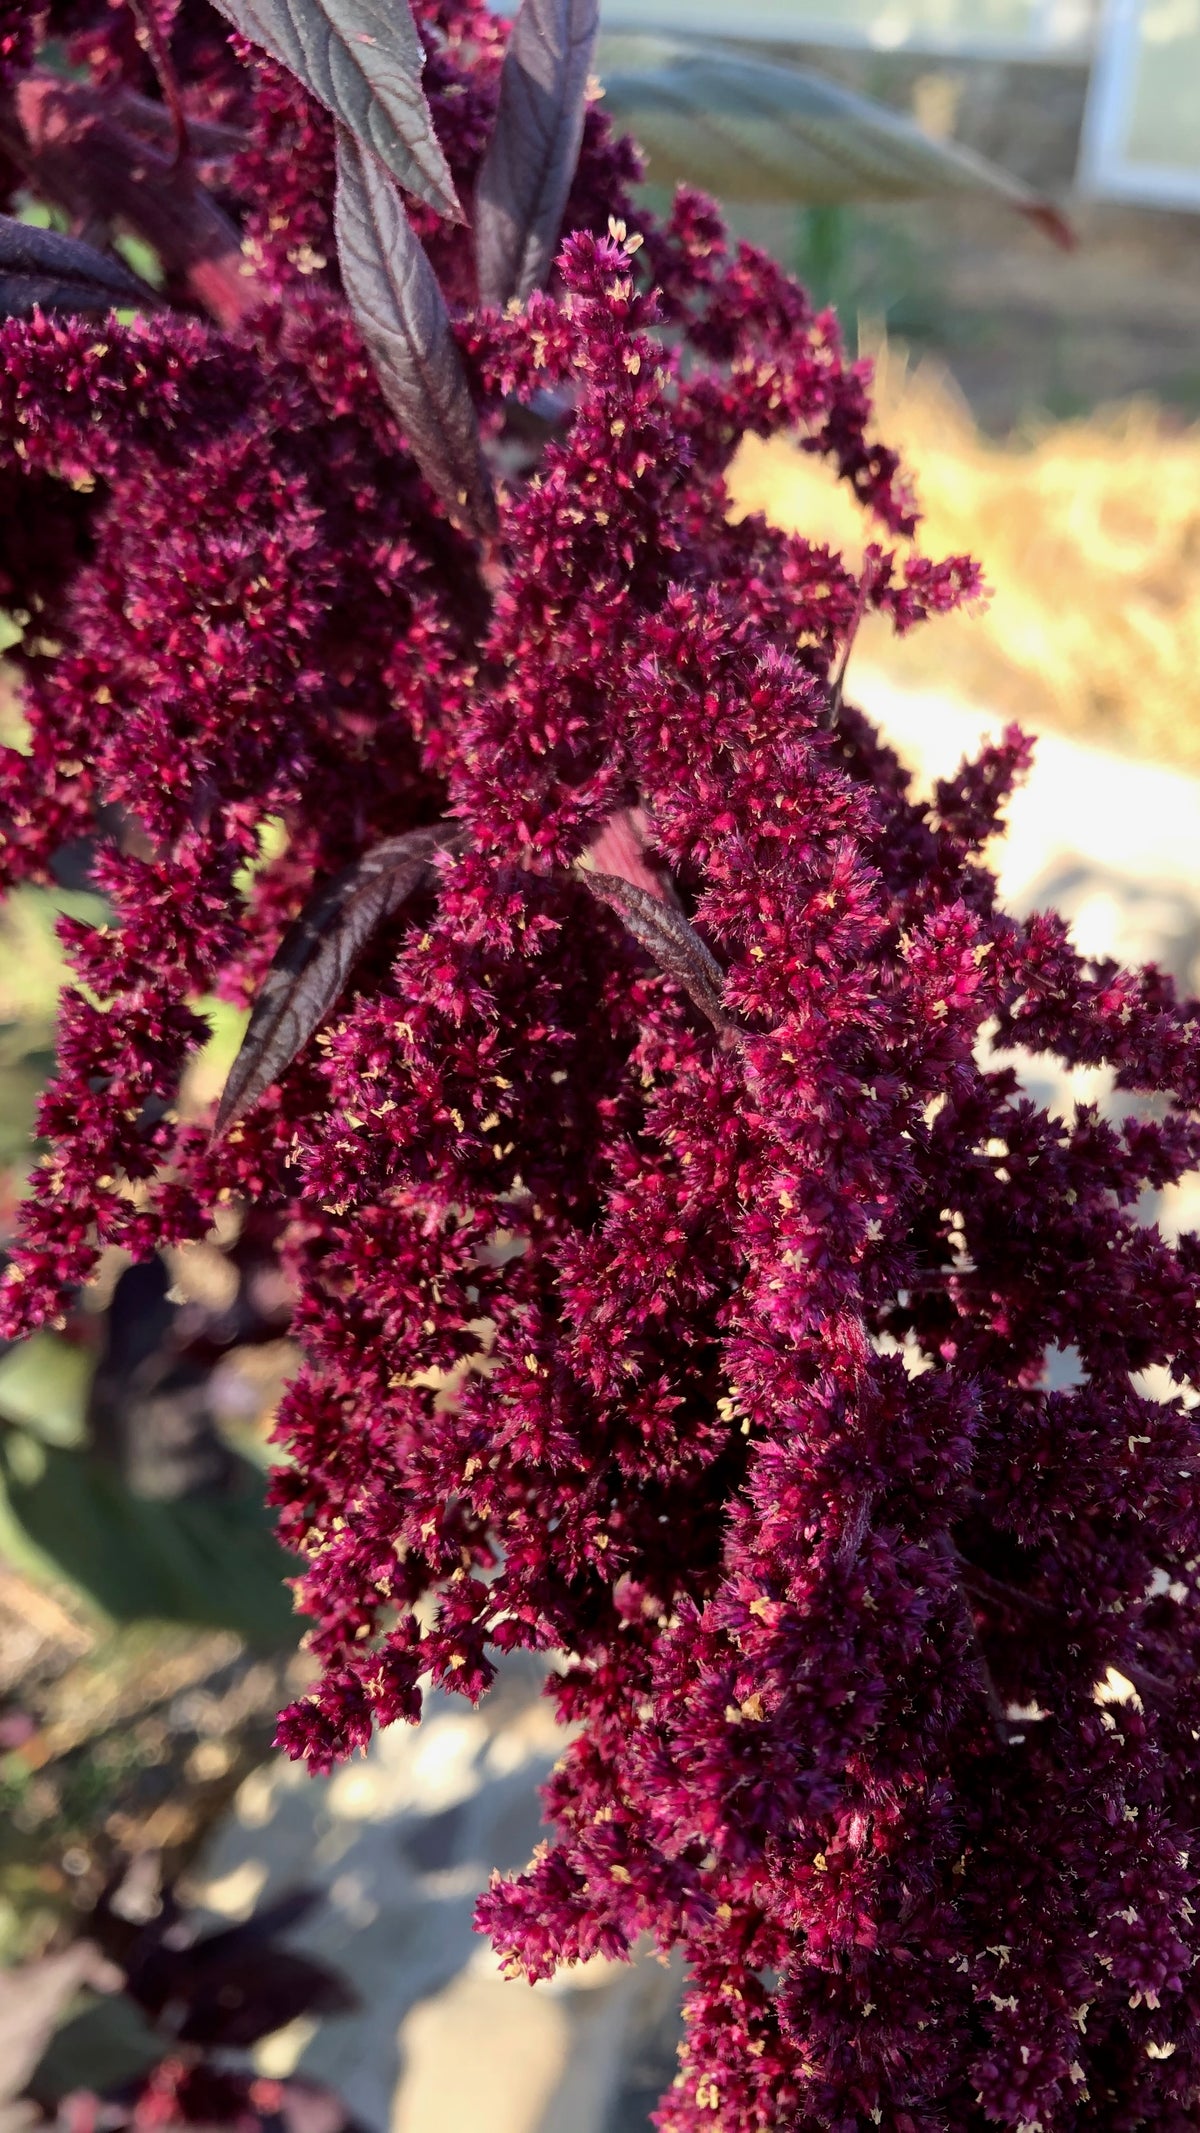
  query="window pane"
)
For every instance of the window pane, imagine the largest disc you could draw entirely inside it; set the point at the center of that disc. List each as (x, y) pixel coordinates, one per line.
(883, 22)
(1163, 124)
(1142, 135)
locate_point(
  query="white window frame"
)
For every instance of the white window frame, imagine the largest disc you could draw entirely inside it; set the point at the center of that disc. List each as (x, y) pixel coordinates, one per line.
(1104, 170)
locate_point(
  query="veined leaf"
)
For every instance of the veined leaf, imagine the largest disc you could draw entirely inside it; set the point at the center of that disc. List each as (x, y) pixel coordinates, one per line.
(401, 313)
(746, 130)
(531, 157)
(60, 273)
(316, 957)
(363, 59)
(668, 940)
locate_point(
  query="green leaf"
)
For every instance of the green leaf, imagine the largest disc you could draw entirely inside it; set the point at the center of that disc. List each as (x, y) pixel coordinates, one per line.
(209, 1560)
(107, 2043)
(44, 1388)
(32, 964)
(746, 130)
(34, 1999)
(362, 59)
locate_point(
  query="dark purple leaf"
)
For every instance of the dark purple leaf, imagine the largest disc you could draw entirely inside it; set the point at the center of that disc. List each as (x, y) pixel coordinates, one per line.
(236, 2000)
(316, 958)
(363, 59)
(668, 940)
(149, 1413)
(59, 273)
(227, 1988)
(531, 157)
(401, 313)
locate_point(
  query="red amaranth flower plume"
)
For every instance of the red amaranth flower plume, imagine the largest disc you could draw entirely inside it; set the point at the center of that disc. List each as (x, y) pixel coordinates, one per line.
(678, 1267)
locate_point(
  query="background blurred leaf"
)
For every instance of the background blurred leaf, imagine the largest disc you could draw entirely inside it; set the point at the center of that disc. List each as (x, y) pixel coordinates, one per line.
(747, 130)
(44, 1388)
(32, 964)
(25, 1066)
(208, 1069)
(33, 1999)
(149, 1413)
(106, 2044)
(32, 968)
(211, 1561)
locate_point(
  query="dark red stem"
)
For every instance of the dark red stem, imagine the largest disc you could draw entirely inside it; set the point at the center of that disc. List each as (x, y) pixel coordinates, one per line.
(168, 81)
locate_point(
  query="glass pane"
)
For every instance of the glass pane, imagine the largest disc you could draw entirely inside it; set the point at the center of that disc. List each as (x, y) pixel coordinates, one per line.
(880, 22)
(1162, 124)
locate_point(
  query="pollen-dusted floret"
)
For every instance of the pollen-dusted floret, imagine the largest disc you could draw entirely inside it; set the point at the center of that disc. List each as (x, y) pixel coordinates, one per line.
(697, 1330)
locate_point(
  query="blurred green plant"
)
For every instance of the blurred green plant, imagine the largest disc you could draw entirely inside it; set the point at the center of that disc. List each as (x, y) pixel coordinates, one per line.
(31, 973)
(870, 268)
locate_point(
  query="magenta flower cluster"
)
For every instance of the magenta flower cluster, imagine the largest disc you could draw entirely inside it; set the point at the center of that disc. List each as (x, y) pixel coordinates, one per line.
(710, 1353)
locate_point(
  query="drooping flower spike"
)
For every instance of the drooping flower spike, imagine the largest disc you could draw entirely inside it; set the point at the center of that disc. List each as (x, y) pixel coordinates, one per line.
(679, 1262)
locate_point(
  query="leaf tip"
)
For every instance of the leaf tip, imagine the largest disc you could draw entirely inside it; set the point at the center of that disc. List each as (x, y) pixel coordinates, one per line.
(229, 1110)
(1053, 224)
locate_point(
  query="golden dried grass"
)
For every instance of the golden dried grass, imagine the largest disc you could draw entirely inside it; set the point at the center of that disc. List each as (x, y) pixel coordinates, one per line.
(1089, 535)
